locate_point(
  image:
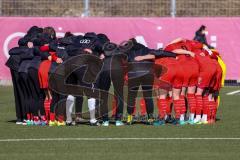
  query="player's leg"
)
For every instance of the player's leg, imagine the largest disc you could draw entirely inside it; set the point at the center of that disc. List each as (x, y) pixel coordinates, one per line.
(92, 102)
(69, 109)
(147, 86)
(168, 117)
(178, 102)
(207, 96)
(201, 96)
(57, 108)
(61, 109)
(26, 95)
(163, 100)
(213, 95)
(104, 83)
(118, 84)
(133, 86)
(162, 105)
(17, 95)
(53, 105)
(34, 98)
(183, 102)
(191, 103)
(92, 111)
(37, 98)
(199, 104)
(191, 90)
(40, 95)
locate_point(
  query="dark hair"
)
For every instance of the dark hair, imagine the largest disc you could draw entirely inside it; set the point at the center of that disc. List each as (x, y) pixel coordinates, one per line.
(103, 38)
(50, 31)
(202, 28)
(68, 34)
(90, 34)
(134, 41)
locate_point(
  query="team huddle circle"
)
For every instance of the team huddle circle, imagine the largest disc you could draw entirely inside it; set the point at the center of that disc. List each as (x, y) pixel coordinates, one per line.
(90, 80)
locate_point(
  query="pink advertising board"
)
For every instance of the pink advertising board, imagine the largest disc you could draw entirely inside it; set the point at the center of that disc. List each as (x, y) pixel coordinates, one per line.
(224, 33)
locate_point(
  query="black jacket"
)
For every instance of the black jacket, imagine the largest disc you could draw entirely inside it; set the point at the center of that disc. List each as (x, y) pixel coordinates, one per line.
(200, 37)
(17, 56)
(139, 68)
(136, 69)
(61, 52)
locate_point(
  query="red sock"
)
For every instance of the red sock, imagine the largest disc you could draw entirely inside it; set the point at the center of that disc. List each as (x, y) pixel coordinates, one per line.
(29, 116)
(43, 118)
(114, 107)
(47, 108)
(52, 116)
(162, 108)
(36, 118)
(177, 108)
(214, 113)
(199, 102)
(213, 110)
(169, 103)
(205, 105)
(143, 107)
(192, 103)
(183, 105)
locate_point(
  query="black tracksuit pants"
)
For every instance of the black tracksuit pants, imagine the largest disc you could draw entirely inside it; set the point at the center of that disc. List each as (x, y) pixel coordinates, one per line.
(74, 79)
(58, 104)
(37, 94)
(146, 81)
(104, 83)
(26, 91)
(18, 95)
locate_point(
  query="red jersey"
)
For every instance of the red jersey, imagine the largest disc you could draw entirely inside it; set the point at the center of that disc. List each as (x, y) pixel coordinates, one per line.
(180, 45)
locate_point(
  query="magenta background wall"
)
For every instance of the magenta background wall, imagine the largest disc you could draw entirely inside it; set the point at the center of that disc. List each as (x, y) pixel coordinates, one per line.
(224, 33)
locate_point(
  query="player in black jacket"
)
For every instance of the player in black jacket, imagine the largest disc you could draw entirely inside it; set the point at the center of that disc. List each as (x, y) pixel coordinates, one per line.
(87, 44)
(114, 70)
(19, 63)
(141, 73)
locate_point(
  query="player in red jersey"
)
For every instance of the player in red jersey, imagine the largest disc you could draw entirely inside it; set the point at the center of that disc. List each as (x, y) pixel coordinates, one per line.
(214, 88)
(173, 76)
(190, 76)
(207, 74)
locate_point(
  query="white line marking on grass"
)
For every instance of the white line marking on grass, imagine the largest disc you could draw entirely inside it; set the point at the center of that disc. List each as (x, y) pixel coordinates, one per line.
(234, 92)
(109, 139)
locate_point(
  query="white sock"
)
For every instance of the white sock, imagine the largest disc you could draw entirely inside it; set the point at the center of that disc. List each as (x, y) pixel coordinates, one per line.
(182, 117)
(191, 118)
(91, 107)
(69, 108)
(198, 117)
(204, 117)
(166, 116)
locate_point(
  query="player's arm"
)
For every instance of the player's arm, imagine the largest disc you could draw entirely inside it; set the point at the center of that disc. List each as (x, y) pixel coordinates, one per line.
(205, 47)
(162, 53)
(182, 51)
(145, 57)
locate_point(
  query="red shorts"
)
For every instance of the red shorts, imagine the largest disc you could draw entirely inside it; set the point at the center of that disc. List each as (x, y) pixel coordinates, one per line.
(174, 73)
(190, 69)
(208, 70)
(43, 73)
(217, 82)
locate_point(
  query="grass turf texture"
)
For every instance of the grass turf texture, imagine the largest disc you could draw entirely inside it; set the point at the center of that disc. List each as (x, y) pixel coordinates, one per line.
(227, 127)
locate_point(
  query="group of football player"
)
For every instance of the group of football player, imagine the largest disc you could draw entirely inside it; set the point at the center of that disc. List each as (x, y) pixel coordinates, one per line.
(184, 77)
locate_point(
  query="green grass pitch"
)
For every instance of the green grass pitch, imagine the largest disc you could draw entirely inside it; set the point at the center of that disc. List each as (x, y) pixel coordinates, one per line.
(138, 149)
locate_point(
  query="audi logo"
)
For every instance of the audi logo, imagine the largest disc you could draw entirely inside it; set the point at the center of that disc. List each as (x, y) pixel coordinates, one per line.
(85, 41)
